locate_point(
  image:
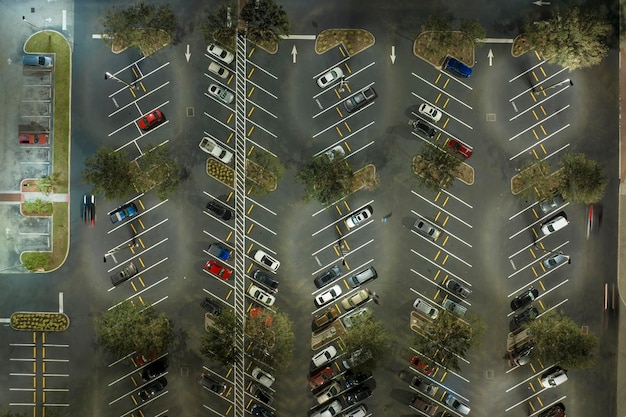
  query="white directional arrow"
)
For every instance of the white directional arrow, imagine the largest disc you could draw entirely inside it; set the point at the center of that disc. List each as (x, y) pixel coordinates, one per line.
(9, 61)
(187, 54)
(393, 55)
(541, 3)
(294, 53)
(490, 56)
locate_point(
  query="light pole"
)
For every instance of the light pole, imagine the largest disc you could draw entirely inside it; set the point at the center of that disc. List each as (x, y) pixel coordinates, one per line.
(30, 23)
(342, 82)
(132, 244)
(108, 75)
(535, 91)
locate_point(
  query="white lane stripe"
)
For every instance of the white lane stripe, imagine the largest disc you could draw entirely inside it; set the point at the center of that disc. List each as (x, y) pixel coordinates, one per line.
(337, 221)
(443, 210)
(269, 74)
(538, 123)
(60, 302)
(456, 198)
(440, 267)
(64, 20)
(539, 103)
(300, 37)
(441, 90)
(540, 142)
(526, 91)
(527, 71)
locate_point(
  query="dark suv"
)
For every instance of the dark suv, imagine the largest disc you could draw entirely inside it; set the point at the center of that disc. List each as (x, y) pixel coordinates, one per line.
(328, 277)
(154, 369)
(360, 99)
(423, 127)
(126, 273)
(219, 210)
(212, 383)
(266, 280)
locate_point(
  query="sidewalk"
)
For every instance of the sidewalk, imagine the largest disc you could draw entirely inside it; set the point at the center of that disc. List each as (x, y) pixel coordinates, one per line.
(18, 197)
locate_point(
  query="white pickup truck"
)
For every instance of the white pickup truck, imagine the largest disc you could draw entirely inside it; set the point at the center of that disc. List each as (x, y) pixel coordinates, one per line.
(209, 146)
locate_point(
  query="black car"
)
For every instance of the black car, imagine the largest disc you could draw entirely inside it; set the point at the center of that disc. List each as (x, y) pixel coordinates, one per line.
(557, 410)
(353, 379)
(266, 280)
(154, 369)
(360, 99)
(423, 127)
(212, 383)
(153, 389)
(422, 385)
(261, 394)
(524, 299)
(526, 316)
(551, 203)
(211, 306)
(359, 394)
(260, 411)
(458, 289)
(89, 209)
(219, 210)
(328, 277)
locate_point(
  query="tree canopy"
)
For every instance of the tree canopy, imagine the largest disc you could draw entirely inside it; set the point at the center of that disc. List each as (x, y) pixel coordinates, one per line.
(217, 26)
(557, 339)
(325, 180)
(272, 343)
(218, 342)
(131, 328)
(266, 21)
(370, 337)
(156, 169)
(582, 180)
(574, 39)
(435, 168)
(107, 172)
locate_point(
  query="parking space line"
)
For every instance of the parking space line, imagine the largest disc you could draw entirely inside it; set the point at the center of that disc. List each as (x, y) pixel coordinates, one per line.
(446, 113)
(254, 124)
(442, 367)
(134, 102)
(527, 71)
(218, 298)
(441, 267)
(255, 86)
(441, 248)
(136, 256)
(539, 103)
(269, 74)
(445, 211)
(210, 116)
(132, 296)
(540, 142)
(539, 123)
(335, 105)
(345, 138)
(338, 220)
(262, 206)
(540, 296)
(436, 87)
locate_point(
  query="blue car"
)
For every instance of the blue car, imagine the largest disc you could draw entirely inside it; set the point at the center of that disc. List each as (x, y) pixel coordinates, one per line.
(457, 67)
(123, 212)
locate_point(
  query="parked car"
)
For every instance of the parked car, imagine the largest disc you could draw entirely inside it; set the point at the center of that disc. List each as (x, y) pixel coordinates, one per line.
(460, 148)
(211, 147)
(360, 393)
(212, 383)
(455, 308)
(551, 204)
(426, 309)
(421, 365)
(221, 93)
(325, 318)
(422, 385)
(423, 127)
(266, 280)
(124, 212)
(266, 260)
(524, 298)
(521, 355)
(359, 217)
(261, 296)
(218, 70)
(220, 53)
(555, 259)
(357, 357)
(331, 76)
(42, 61)
(328, 296)
(427, 228)
(423, 405)
(335, 152)
(32, 138)
(351, 319)
(553, 377)
(328, 393)
(457, 67)
(360, 99)
(260, 411)
(211, 306)
(362, 277)
(557, 410)
(430, 112)
(219, 210)
(154, 369)
(321, 377)
(330, 410)
(327, 277)
(526, 316)
(458, 289)
(456, 405)
(124, 275)
(360, 411)
(259, 313)
(218, 269)
(266, 379)
(353, 379)
(554, 224)
(219, 251)
(151, 120)
(324, 356)
(142, 359)
(153, 389)
(261, 394)
(356, 299)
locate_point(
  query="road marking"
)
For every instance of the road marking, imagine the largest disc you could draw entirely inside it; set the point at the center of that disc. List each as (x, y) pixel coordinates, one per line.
(61, 302)
(255, 65)
(527, 71)
(64, 20)
(526, 91)
(440, 267)
(336, 221)
(541, 142)
(341, 101)
(445, 211)
(539, 123)
(539, 103)
(441, 90)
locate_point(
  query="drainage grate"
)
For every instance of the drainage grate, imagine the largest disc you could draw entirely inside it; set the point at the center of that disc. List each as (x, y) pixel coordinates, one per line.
(184, 371)
(584, 329)
(489, 374)
(191, 112)
(491, 117)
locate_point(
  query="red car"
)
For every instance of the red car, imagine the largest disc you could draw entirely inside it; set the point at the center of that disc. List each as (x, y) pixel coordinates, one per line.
(257, 312)
(421, 365)
(321, 377)
(460, 148)
(142, 360)
(33, 138)
(150, 120)
(218, 269)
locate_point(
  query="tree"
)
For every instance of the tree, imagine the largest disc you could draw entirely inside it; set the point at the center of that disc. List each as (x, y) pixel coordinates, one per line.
(449, 338)
(143, 25)
(574, 39)
(107, 172)
(557, 339)
(369, 338)
(434, 167)
(219, 340)
(266, 21)
(156, 169)
(473, 30)
(267, 172)
(582, 180)
(219, 28)
(536, 181)
(326, 180)
(271, 339)
(128, 328)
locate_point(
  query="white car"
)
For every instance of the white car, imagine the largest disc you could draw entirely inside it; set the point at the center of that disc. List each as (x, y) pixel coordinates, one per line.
(360, 411)
(554, 224)
(355, 299)
(427, 228)
(328, 296)
(209, 146)
(359, 217)
(328, 393)
(337, 151)
(221, 93)
(553, 377)
(325, 356)
(261, 296)
(329, 77)
(330, 410)
(425, 308)
(263, 377)
(430, 112)
(220, 53)
(219, 70)
(457, 405)
(266, 260)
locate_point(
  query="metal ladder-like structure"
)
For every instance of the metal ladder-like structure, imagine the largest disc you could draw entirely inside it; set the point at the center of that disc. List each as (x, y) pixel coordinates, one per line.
(240, 225)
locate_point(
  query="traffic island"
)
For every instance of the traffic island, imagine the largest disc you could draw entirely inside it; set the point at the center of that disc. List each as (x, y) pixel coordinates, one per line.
(40, 322)
(353, 40)
(428, 46)
(327, 335)
(520, 46)
(221, 172)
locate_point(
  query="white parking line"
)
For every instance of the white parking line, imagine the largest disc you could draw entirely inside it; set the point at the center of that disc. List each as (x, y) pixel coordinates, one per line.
(540, 142)
(319, 74)
(345, 138)
(536, 85)
(539, 103)
(546, 292)
(220, 102)
(522, 211)
(258, 106)
(341, 101)
(450, 371)
(440, 267)
(217, 298)
(134, 102)
(527, 71)
(538, 123)
(261, 205)
(137, 294)
(334, 242)
(457, 198)
(252, 122)
(141, 215)
(539, 220)
(445, 211)
(444, 112)
(346, 78)
(353, 250)
(456, 80)
(432, 242)
(531, 263)
(269, 74)
(258, 87)
(338, 220)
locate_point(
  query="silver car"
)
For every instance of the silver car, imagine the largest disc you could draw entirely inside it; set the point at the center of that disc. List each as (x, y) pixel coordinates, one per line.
(555, 259)
(221, 93)
(427, 228)
(425, 308)
(550, 204)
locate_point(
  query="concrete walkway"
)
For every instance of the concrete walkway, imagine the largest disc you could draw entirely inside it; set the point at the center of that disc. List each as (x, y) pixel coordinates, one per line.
(18, 197)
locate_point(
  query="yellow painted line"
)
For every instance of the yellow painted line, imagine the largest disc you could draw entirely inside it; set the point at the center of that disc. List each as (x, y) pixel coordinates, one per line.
(532, 252)
(346, 284)
(543, 307)
(250, 209)
(543, 149)
(545, 113)
(251, 149)
(346, 243)
(134, 72)
(531, 405)
(338, 230)
(438, 78)
(338, 210)
(437, 275)
(250, 228)
(535, 153)
(338, 309)
(141, 204)
(445, 201)
(437, 216)
(347, 146)
(249, 402)
(535, 114)
(338, 96)
(251, 111)
(445, 241)
(232, 76)
(534, 271)
(339, 110)
(142, 301)
(132, 284)
(338, 131)
(230, 407)
(543, 72)
(346, 264)
(141, 262)
(230, 136)
(533, 368)
(542, 286)
(535, 213)
(537, 55)
(446, 221)
(143, 87)
(228, 373)
(342, 52)
(336, 251)
(446, 123)
(446, 103)
(132, 92)
(251, 52)
(532, 95)
(437, 255)
(445, 84)
(141, 224)
(249, 268)
(445, 259)
(251, 130)
(229, 235)
(535, 134)
(436, 294)
(543, 130)
(232, 193)
(535, 76)
(141, 243)
(229, 391)
(347, 126)
(230, 118)
(229, 294)
(437, 196)
(348, 67)
(251, 91)
(532, 387)
(249, 248)
(438, 97)
(251, 72)
(345, 203)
